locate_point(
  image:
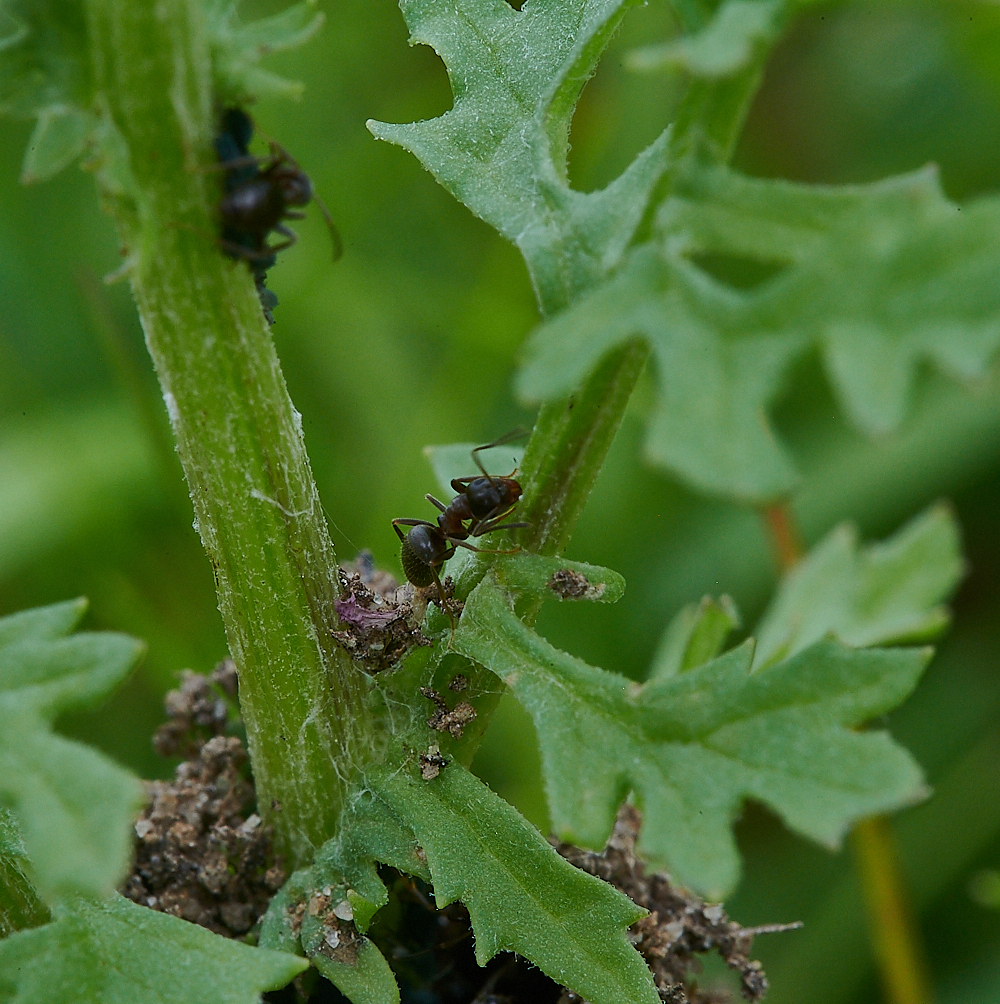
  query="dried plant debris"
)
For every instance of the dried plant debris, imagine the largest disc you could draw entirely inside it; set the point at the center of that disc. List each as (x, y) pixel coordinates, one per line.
(197, 711)
(431, 763)
(679, 925)
(380, 619)
(451, 720)
(200, 853)
(569, 584)
(333, 932)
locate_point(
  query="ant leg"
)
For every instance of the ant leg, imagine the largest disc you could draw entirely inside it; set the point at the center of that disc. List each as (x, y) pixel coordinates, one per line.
(285, 232)
(227, 165)
(291, 214)
(434, 501)
(481, 528)
(236, 250)
(413, 522)
(481, 550)
(444, 604)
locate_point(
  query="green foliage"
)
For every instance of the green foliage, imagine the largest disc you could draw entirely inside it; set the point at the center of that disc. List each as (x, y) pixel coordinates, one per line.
(19, 903)
(120, 953)
(695, 635)
(737, 31)
(876, 277)
(452, 830)
(502, 149)
(238, 47)
(885, 594)
(521, 895)
(45, 74)
(326, 901)
(73, 805)
(693, 744)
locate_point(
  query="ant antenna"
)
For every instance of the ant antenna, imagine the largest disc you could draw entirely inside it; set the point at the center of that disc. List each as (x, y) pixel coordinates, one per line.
(283, 154)
(338, 244)
(513, 434)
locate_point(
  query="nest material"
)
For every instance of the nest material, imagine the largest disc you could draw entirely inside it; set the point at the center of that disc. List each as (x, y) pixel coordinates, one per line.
(679, 926)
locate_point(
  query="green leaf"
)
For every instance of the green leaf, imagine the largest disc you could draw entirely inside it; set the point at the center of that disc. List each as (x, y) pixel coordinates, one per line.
(729, 42)
(884, 594)
(45, 73)
(747, 274)
(118, 953)
(44, 57)
(693, 746)
(60, 137)
(20, 906)
(565, 580)
(75, 807)
(696, 635)
(368, 981)
(238, 48)
(324, 904)
(502, 149)
(521, 895)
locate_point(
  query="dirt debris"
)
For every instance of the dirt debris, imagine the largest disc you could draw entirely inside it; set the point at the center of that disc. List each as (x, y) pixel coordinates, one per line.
(679, 925)
(445, 719)
(568, 584)
(201, 853)
(380, 619)
(197, 711)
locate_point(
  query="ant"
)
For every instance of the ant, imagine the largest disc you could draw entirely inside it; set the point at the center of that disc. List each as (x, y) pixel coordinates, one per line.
(258, 197)
(483, 502)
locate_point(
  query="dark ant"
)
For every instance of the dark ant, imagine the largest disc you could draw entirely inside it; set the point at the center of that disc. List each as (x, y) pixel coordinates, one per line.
(258, 197)
(483, 502)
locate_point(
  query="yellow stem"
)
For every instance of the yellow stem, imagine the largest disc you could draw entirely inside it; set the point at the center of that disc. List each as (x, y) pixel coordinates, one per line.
(894, 936)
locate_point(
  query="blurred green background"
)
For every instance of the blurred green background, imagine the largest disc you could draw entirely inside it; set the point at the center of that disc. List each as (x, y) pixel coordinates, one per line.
(413, 339)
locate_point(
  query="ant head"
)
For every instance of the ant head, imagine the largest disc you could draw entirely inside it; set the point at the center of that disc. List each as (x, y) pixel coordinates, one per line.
(295, 186)
(487, 494)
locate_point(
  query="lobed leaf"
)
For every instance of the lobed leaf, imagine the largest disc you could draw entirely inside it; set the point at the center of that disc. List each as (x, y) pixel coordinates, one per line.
(322, 903)
(885, 594)
(238, 48)
(45, 74)
(521, 895)
(745, 275)
(74, 806)
(118, 953)
(19, 903)
(725, 45)
(693, 746)
(502, 149)
(695, 636)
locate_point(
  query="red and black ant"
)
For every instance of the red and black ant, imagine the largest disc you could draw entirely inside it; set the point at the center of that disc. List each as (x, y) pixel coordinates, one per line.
(259, 194)
(483, 502)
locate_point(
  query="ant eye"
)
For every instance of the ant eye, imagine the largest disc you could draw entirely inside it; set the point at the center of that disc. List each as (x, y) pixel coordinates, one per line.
(297, 189)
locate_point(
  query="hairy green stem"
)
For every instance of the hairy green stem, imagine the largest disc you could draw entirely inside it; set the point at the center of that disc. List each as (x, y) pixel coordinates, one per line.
(238, 436)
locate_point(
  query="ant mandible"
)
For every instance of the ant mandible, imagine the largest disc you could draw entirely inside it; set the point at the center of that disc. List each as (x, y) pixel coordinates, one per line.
(483, 502)
(258, 197)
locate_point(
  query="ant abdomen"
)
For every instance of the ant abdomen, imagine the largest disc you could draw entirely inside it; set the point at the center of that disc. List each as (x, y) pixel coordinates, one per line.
(418, 553)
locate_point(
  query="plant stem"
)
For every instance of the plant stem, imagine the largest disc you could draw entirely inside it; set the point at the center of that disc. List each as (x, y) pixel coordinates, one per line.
(894, 935)
(890, 921)
(238, 436)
